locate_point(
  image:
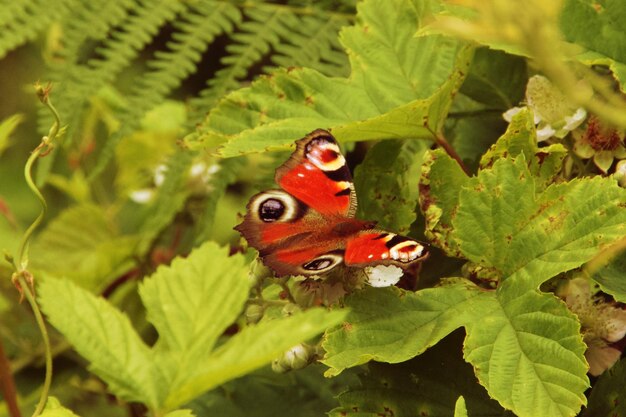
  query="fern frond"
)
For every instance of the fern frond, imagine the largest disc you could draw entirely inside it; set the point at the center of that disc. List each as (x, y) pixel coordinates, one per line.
(254, 37)
(79, 82)
(136, 23)
(91, 20)
(314, 43)
(291, 36)
(22, 20)
(196, 29)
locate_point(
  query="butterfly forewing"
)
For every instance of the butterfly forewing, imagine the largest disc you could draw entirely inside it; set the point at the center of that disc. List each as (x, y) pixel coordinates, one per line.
(317, 174)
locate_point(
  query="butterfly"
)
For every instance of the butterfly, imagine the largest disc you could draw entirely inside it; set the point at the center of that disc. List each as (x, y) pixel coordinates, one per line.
(307, 227)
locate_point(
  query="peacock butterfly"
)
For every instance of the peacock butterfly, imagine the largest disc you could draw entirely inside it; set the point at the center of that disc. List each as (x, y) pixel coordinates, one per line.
(308, 227)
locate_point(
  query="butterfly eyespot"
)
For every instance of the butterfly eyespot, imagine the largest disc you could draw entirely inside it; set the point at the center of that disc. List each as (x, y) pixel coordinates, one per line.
(323, 263)
(275, 205)
(271, 210)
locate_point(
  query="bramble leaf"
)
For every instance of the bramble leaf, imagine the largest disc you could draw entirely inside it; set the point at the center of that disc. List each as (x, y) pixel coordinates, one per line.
(427, 385)
(250, 349)
(504, 221)
(193, 300)
(520, 137)
(82, 244)
(528, 352)
(400, 86)
(440, 184)
(611, 275)
(106, 338)
(391, 325)
(522, 343)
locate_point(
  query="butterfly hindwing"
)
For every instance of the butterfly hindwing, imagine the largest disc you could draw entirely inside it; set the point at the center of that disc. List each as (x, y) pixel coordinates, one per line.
(373, 247)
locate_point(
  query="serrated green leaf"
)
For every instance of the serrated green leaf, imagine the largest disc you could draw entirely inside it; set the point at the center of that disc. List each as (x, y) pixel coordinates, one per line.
(7, 127)
(440, 184)
(252, 348)
(496, 79)
(520, 137)
(528, 352)
(83, 244)
(401, 86)
(386, 183)
(391, 325)
(104, 336)
(607, 395)
(55, 409)
(193, 300)
(427, 385)
(610, 277)
(504, 222)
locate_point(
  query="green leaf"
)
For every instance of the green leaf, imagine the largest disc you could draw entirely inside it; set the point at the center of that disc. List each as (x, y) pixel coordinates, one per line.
(595, 26)
(7, 127)
(607, 395)
(427, 385)
(180, 413)
(265, 393)
(472, 130)
(391, 325)
(496, 79)
(83, 244)
(400, 86)
(193, 300)
(460, 410)
(104, 336)
(503, 221)
(386, 183)
(439, 187)
(521, 138)
(55, 409)
(228, 170)
(250, 349)
(611, 275)
(528, 352)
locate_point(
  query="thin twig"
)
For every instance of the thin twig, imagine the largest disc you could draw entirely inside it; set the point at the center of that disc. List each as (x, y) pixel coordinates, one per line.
(8, 384)
(441, 141)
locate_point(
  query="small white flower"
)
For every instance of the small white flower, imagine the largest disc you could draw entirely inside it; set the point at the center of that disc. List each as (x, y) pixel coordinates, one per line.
(383, 275)
(159, 174)
(552, 114)
(142, 196)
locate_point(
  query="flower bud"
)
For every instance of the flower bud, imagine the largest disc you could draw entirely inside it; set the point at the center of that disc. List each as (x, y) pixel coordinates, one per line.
(254, 313)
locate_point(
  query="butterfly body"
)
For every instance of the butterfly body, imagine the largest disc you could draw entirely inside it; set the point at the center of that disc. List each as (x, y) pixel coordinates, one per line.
(308, 227)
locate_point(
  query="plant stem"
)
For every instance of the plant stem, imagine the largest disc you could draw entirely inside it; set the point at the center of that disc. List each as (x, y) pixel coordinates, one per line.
(441, 141)
(22, 278)
(30, 297)
(8, 385)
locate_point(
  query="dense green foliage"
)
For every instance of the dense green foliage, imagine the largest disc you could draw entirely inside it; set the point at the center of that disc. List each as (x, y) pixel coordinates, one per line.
(172, 114)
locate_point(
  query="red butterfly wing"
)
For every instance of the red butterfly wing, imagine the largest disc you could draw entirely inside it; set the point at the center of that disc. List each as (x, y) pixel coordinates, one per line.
(371, 247)
(317, 175)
